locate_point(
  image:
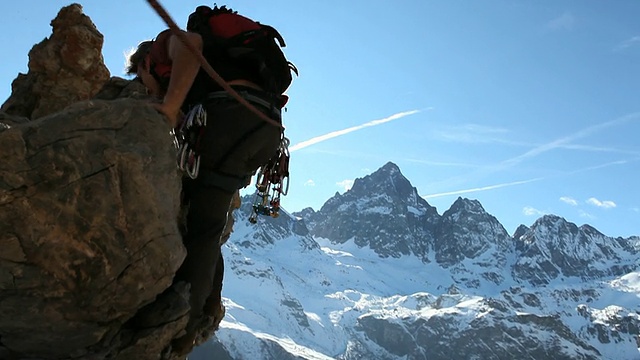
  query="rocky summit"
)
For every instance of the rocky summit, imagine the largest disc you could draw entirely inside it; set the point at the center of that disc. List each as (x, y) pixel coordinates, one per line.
(382, 211)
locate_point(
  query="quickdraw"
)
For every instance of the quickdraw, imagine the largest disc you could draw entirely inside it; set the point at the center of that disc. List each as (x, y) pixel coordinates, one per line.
(187, 140)
(271, 183)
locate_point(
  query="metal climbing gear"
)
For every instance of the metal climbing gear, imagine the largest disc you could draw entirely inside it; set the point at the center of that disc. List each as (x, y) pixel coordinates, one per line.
(187, 140)
(272, 182)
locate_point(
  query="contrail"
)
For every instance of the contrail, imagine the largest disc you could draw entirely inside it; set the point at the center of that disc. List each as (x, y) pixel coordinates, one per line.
(334, 134)
(565, 141)
(497, 186)
(485, 188)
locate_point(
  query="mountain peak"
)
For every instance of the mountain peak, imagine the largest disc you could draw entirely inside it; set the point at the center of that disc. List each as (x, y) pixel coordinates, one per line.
(386, 180)
(389, 167)
(466, 205)
(377, 212)
(520, 231)
(388, 172)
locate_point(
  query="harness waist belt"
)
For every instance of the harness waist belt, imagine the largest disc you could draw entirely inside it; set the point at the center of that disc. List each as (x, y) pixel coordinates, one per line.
(247, 96)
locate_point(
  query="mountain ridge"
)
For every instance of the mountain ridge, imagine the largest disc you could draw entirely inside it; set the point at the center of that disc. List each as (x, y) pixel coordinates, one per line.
(440, 281)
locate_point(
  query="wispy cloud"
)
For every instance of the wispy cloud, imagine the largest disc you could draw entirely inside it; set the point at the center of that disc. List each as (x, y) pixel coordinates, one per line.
(607, 204)
(473, 133)
(310, 182)
(569, 200)
(597, 167)
(345, 184)
(441, 163)
(531, 211)
(491, 187)
(334, 134)
(633, 41)
(561, 142)
(599, 149)
(565, 21)
(586, 215)
(485, 188)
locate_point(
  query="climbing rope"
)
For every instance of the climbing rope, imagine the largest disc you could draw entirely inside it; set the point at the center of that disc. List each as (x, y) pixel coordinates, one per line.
(205, 64)
(271, 176)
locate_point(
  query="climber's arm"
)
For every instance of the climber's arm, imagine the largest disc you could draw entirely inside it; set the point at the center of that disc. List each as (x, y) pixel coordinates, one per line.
(185, 67)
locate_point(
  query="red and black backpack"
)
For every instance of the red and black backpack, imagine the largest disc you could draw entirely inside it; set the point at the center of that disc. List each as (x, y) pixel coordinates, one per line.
(240, 48)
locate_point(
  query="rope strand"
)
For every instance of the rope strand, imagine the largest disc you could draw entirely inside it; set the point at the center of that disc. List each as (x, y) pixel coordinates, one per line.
(205, 64)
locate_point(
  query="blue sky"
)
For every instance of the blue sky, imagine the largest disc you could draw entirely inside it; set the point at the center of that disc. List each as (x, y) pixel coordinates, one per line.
(531, 107)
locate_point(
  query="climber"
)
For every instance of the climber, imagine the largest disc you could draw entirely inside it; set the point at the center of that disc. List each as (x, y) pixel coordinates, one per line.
(231, 141)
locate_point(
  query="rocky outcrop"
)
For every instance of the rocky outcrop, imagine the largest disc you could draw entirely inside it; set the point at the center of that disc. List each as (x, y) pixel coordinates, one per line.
(89, 210)
(468, 236)
(88, 206)
(63, 69)
(554, 247)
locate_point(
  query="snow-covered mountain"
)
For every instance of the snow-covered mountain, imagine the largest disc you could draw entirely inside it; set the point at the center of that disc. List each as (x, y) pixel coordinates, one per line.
(377, 273)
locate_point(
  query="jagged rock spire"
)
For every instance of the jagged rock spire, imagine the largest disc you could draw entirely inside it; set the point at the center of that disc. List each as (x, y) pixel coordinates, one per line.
(63, 69)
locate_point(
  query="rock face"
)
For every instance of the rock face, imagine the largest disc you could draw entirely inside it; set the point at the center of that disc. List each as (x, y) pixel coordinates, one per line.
(382, 211)
(468, 237)
(89, 209)
(553, 247)
(63, 69)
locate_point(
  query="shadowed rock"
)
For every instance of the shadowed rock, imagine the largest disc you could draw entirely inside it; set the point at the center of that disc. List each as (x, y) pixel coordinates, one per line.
(89, 209)
(88, 206)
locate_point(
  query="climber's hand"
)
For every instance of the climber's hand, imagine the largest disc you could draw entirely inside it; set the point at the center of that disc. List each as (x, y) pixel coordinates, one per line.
(173, 115)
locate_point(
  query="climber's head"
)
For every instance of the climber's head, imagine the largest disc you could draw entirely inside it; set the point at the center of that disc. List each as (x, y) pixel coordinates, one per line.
(139, 64)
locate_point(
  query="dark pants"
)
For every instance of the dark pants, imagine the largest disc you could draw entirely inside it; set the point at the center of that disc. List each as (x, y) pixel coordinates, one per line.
(236, 142)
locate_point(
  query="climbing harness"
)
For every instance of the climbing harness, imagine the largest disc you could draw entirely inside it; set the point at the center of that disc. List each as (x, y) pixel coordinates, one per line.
(187, 140)
(270, 176)
(271, 183)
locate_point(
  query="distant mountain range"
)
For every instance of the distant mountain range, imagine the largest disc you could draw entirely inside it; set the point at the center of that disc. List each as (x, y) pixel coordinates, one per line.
(377, 273)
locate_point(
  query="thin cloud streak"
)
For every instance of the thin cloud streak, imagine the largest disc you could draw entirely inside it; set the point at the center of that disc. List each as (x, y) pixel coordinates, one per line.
(633, 41)
(441, 163)
(569, 200)
(597, 167)
(485, 188)
(565, 21)
(491, 187)
(531, 211)
(560, 143)
(599, 149)
(334, 134)
(567, 140)
(473, 134)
